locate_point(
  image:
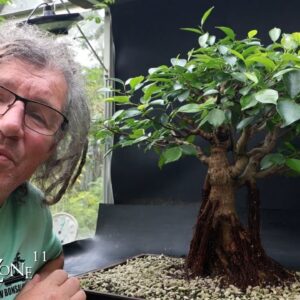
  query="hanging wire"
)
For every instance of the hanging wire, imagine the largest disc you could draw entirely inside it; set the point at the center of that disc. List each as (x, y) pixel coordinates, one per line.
(86, 39)
(34, 10)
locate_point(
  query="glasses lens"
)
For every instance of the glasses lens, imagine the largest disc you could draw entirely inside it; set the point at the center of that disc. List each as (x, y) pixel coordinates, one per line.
(42, 119)
(6, 98)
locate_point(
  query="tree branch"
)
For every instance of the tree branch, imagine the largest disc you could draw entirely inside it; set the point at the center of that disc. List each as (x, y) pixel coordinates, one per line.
(197, 131)
(267, 146)
(249, 171)
(205, 135)
(258, 127)
(239, 167)
(241, 143)
(200, 154)
(271, 171)
(256, 155)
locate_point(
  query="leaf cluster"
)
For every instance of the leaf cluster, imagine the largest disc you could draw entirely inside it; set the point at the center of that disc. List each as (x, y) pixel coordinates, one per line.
(228, 83)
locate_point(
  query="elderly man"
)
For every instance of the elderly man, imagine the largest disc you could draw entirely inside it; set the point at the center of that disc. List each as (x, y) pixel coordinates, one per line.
(44, 121)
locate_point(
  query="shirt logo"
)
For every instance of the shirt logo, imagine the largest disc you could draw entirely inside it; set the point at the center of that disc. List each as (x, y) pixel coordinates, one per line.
(15, 272)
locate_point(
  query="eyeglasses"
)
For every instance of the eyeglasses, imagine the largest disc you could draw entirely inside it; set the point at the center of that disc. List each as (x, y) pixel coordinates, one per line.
(38, 117)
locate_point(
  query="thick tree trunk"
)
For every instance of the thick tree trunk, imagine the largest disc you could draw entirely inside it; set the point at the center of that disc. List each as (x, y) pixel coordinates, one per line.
(221, 246)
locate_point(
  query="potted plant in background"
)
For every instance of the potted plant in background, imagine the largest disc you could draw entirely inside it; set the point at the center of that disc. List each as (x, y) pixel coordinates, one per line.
(235, 106)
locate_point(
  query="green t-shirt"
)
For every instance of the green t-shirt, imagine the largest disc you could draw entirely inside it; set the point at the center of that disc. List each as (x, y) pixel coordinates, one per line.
(27, 240)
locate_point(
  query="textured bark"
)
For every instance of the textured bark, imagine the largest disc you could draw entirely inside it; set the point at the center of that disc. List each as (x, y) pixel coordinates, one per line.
(254, 211)
(221, 245)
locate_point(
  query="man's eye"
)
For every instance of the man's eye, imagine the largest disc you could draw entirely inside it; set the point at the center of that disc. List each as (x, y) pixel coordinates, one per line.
(4, 99)
(36, 118)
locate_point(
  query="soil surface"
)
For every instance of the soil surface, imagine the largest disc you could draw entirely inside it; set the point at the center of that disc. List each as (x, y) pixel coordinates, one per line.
(159, 277)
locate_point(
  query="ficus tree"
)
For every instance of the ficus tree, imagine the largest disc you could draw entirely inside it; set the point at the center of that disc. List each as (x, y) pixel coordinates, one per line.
(234, 104)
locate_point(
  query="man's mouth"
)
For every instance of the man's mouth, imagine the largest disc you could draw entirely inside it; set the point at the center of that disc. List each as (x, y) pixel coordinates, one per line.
(6, 156)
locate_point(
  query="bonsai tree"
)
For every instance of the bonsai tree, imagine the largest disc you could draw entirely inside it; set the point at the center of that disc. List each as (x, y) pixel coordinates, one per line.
(235, 106)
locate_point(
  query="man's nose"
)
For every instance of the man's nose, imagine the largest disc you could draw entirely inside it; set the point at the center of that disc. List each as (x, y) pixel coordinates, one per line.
(12, 122)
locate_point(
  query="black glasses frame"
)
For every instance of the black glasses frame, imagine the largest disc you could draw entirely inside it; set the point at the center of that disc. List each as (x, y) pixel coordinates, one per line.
(25, 101)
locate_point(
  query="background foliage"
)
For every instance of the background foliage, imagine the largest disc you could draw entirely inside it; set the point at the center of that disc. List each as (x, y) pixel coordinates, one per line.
(83, 199)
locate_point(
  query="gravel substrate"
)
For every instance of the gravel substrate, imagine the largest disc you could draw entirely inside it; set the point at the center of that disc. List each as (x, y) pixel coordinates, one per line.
(163, 278)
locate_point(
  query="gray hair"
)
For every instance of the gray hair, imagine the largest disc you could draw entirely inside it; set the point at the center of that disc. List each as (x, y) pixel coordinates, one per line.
(41, 49)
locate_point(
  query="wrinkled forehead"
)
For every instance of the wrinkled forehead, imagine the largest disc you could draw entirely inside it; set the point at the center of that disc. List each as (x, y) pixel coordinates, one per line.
(44, 84)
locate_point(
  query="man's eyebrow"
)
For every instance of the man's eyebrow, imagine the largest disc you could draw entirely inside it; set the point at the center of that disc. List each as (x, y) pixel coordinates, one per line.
(9, 85)
(39, 100)
(6, 82)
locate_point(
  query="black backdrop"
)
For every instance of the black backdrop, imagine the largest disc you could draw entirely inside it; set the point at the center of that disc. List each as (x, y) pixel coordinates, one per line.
(146, 34)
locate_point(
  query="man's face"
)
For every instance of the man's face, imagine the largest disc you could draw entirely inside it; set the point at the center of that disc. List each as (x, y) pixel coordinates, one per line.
(21, 149)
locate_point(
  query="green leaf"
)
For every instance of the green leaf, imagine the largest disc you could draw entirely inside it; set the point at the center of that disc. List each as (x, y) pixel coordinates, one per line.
(266, 62)
(292, 83)
(272, 159)
(188, 149)
(296, 37)
(190, 108)
(161, 161)
(142, 106)
(274, 34)
(252, 77)
(205, 15)
(178, 62)
(203, 40)
(116, 80)
(204, 119)
(157, 102)
(289, 111)
(245, 90)
(126, 143)
(252, 33)
(228, 115)
(251, 50)
(209, 103)
(248, 101)
(210, 92)
(216, 117)
(118, 99)
(164, 119)
(228, 31)
(223, 49)
(237, 54)
(290, 146)
(244, 123)
(289, 57)
(211, 40)
(149, 90)
(293, 164)
(267, 96)
(288, 42)
(239, 76)
(117, 114)
(130, 113)
(172, 154)
(195, 30)
(133, 82)
(182, 97)
(137, 133)
(177, 86)
(282, 72)
(105, 90)
(231, 60)
(153, 70)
